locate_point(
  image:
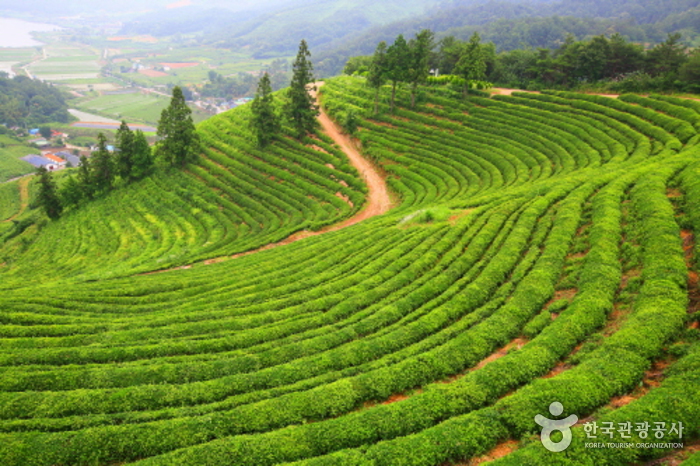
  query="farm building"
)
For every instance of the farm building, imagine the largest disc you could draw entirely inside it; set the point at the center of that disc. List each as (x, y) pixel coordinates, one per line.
(73, 160)
(60, 163)
(39, 142)
(39, 161)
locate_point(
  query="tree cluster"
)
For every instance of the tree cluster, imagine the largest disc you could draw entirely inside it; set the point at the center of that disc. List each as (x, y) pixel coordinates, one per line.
(411, 62)
(99, 174)
(616, 62)
(243, 84)
(624, 66)
(132, 158)
(104, 170)
(300, 109)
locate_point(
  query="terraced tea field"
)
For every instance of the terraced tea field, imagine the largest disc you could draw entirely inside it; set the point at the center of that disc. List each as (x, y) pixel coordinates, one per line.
(541, 248)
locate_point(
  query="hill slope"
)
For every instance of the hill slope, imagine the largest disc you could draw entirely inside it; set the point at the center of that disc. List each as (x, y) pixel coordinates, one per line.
(541, 250)
(236, 198)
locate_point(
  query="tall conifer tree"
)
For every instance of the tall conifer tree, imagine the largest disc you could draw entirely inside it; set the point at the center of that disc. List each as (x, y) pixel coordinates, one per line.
(48, 196)
(180, 141)
(85, 179)
(377, 72)
(419, 60)
(397, 65)
(265, 123)
(125, 151)
(301, 110)
(142, 159)
(102, 166)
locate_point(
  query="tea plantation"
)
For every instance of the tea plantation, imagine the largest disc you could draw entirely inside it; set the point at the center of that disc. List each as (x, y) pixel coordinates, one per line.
(541, 248)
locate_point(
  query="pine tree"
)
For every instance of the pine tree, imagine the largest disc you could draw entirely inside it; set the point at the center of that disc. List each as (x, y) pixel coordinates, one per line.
(666, 58)
(180, 141)
(377, 72)
(102, 166)
(301, 110)
(472, 64)
(84, 178)
(419, 60)
(125, 151)
(72, 192)
(48, 196)
(142, 159)
(264, 123)
(397, 57)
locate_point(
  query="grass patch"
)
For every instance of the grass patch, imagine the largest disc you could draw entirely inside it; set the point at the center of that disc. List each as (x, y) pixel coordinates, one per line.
(428, 216)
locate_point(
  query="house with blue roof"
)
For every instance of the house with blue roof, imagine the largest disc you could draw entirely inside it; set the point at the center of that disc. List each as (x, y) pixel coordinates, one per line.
(39, 161)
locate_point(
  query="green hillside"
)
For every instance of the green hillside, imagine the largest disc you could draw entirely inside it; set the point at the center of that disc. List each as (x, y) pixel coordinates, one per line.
(11, 152)
(9, 200)
(542, 248)
(235, 199)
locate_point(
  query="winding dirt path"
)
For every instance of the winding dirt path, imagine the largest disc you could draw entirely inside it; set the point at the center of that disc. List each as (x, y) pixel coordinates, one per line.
(23, 198)
(378, 199)
(506, 91)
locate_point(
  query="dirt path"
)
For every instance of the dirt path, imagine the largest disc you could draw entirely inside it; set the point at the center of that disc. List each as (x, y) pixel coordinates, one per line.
(378, 200)
(505, 91)
(23, 198)
(34, 62)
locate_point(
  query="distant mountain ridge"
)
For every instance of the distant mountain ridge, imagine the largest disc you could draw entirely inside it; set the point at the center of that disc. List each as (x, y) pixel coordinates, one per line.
(320, 22)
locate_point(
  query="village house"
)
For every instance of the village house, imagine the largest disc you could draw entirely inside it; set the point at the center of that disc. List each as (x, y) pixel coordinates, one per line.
(60, 163)
(39, 161)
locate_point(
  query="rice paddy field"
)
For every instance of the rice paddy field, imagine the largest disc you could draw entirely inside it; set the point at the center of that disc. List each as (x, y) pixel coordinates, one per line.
(541, 248)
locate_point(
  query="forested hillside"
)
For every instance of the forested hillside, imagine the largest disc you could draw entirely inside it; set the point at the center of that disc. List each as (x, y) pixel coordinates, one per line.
(516, 25)
(28, 102)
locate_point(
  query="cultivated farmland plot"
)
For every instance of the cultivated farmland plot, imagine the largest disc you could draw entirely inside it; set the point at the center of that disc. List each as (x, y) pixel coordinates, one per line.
(65, 62)
(542, 248)
(136, 106)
